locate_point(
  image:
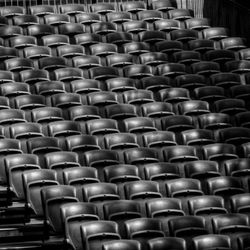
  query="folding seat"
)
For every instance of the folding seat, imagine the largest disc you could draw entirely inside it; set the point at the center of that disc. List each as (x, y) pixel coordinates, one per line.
(225, 186)
(73, 215)
(214, 121)
(48, 88)
(155, 83)
(153, 58)
(66, 100)
(72, 9)
(120, 111)
(242, 119)
(11, 116)
(103, 28)
(118, 17)
(31, 76)
(119, 60)
(88, 18)
(41, 10)
(102, 8)
(59, 161)
(178, 123)
(68, 74)
(119, 38)
(55, 40)
(169, 46)
(190, 81)
(197, 23)
(6, 76)
(83, 113)
(163, 207)
(133, 7)
(152, 36)
(201, 45)
(180, 14)
(18, 64)
(37, 52)
(244, 54)
(12, 89)
(71, 29)
(138, 96)
(209, 94)
(99, 192)
(122, 245)
(186, 57)
(86, 61)
(52, 63)
(96, 233)
(26, 102)
(52, 198)
(171, 69)
(230, 223)
(219, 152)
(15, 166)
(238, 66)
(10, 146)
(136, 48)
(137, 71)
(10, 31)
(56, 19)
(39, 30)
(225, 80)
(187, 226)
(220, 56)
(43, 145)
(240, 203)
(174, 95)
(103, 49)
(85, 39)
(237, 167)
(149, 15)
(243, 242)
(70, 51)
(161, 171)
(233, 43)
(206, 205)
(8, 52)
(180, 153)
(46, 114)
(205, 68)
(63, 128)
(141, 189)
(170, 243)
(201, 169)
(234, 135)
(96, 158)
(241, 92)
(193, 107)
(103, 73)
(102, 98)
(33, 181)
(25, 130)
(246, 149)
(140, 155)
(139, 125)
(184, 35)
(101, 126)
(212, 241)
(20, 42)
(215, 33)
(120, 84)
(3, 21)
(197, 137)
(230, 106)
(167, 25)
(143, 229)
(157, 109)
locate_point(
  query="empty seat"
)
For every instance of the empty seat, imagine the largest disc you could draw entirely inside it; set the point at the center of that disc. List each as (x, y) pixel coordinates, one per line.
(63, 128)
(177, 123)
(237, 167)
(155, 83)
(119, 38)
(41, 10)
(186, 57)
(197, 23)
(101, 126)
(171, 69)
(86, 61)
(12, 89)
(120, 111)
(102, 98)
(157, 109)
(246, 149)
(153, 58)
(99, 192)
(242, 119)
(20, 42)
(215, 33)
(190, 81)
(8, 52)
(241, 92)
(120, 141)
(219, 151)
(134, 26)
(37, 52)
(244, 54)
(240, 203)
(179, 153)
(83, 113)
(174, 95)
(167, 25)
(122, 245)
(206, 205)
(170, 243)
(119, 60)
(86, 39)
(31, 76)
(88, 18)
(230, 106)
(210, 93)
(52, 63)
(139, 124)
(71, 29)
(103, 73)
(220, 56)
(46, 114)
(120, 84)
(11, 116)
(95, 158)
(137, 71)
(233, 43)
(138, 96)
(68, 74)
(161, 171)
(193, 107)
(55, 40)
(201, 45)
(103, 28)
(225, 80)
(26, 102)
(149, 15)
(103, 49)
(169, 46)
(184, 35)
(6, 76)
(239, 67)
(39, 30)
(84, 86)
(136, 48)
(102, 8)
(66, 100)
(205, 68)
(118, 17)
(70, 51)
(152, 36)
(56, 19)
(8, 31)
(133, 6)
(180, 14)
(48, 88)
(197, 137)
(243, 241)
(71, 9)
(18, 64)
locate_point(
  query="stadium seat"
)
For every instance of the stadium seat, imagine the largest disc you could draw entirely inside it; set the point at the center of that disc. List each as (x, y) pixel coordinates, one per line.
(49, 88)
(240, 203)
(180, 14)
(225, 80)
(122, 245)
(83, 113)
(170, 243)
(178, 123)
(11, 116)
(46, 114)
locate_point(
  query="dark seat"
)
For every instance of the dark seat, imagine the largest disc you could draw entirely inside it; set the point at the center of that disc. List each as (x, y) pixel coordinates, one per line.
(83, 113)
(171, 243)
(46, 114)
